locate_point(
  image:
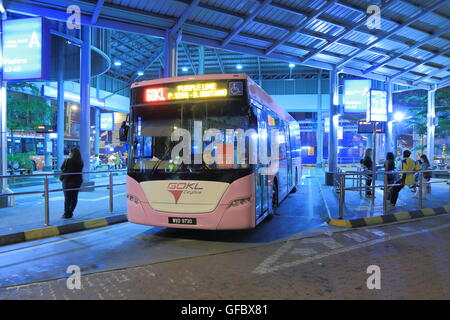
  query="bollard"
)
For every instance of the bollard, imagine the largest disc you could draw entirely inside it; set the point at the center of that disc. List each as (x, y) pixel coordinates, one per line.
(110, 192)
(47, 202)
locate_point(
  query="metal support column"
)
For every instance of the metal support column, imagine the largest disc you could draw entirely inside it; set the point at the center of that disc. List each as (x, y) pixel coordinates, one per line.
(319, 132)
(334, 122)
(3, 123)
(97, 122)
(389, 141)
(201, 60)
(171, 53)
(85, 112)
(431, 116)
(60, 130)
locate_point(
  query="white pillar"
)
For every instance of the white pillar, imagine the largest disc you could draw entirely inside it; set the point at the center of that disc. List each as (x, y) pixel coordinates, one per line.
(431, 116)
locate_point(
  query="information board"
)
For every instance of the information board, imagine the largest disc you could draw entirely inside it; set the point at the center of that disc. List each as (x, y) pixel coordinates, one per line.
(107, 121)
(378, 106)
(356, 95)
(25, 49)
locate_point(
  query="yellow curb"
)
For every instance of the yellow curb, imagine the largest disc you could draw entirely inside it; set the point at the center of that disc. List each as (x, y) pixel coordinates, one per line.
(402, 215)
(373, 220)
(340, 223)
(96, 223)
(428, 212)
(41, 233)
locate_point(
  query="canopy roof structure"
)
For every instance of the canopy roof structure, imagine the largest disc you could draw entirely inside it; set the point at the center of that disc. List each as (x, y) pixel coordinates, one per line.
(411, 46)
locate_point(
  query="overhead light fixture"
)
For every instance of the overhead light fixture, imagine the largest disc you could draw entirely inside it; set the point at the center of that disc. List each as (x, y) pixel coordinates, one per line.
(140, 73)
(399, 116)
(239, 66)
(118, 63)
(291, 65)
(184, 69)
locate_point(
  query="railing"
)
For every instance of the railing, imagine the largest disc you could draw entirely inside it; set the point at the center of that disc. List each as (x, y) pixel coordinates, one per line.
(46, 191)
(358, 176)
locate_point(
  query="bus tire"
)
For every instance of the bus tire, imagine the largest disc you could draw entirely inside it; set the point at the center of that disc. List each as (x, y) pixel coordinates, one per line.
(294, 189)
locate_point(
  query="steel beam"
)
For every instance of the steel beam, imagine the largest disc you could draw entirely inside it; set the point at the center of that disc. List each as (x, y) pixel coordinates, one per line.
(302, 25)
(85, 105)
(96, 13)
(431, 74)
(413, 19)
(418, 64)
(247, 20)
(346, 32)
(431, 115)
(184, 16)
(404, 51)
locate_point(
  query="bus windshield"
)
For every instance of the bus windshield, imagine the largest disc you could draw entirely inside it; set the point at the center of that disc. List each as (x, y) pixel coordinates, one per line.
(152, 126)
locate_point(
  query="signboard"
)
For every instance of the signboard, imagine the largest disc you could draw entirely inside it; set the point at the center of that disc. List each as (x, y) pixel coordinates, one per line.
(185, 92)
(356, 95)
(368, 127)
(107, 121)
(26, 52)
(378, 106)
(51, 92)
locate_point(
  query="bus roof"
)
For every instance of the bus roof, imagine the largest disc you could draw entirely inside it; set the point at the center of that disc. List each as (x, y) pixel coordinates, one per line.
(255, 91)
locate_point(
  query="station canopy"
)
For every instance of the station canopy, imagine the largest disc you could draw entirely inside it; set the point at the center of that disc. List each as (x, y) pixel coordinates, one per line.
(410, 45)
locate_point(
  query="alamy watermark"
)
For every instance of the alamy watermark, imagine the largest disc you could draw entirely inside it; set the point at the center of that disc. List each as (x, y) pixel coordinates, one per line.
(374, 280)
(73, 282)
(229, 147)
(374, 20)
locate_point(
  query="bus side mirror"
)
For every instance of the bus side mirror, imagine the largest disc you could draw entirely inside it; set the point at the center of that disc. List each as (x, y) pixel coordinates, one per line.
(123, 132)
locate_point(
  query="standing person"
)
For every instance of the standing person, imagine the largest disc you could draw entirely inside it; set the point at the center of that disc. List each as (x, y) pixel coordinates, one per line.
(73, 164)
(368, 166)
(425, 165)
(407, 178)
(389, 165)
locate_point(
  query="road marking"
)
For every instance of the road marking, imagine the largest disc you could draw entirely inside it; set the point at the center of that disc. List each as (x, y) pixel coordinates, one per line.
(267, 265)
(330, 243)
(304, 251)
(407, 229)
(356, 236)
(377, 232)
(63, 240)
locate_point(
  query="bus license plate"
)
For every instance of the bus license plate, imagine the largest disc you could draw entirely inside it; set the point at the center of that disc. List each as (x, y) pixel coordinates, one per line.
(173, 220)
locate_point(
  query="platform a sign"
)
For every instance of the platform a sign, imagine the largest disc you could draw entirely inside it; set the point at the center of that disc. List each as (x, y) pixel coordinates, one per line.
(25, 49)
(378, 106)
(356, 95)
(107, 121)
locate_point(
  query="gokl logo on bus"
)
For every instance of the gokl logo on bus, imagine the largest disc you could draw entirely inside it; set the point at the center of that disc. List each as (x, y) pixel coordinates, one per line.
(177, 189)
(155, 94)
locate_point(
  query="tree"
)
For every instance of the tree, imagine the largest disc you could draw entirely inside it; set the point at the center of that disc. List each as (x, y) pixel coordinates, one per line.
(27, 112)
(418, 119)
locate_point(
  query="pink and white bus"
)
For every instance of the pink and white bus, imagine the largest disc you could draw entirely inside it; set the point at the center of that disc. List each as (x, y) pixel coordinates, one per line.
(227, 194)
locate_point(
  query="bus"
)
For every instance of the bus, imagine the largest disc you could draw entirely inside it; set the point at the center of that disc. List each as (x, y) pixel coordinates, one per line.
(200, 192)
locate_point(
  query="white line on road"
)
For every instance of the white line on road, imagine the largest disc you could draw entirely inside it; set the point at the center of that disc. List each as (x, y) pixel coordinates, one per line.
(266, 266)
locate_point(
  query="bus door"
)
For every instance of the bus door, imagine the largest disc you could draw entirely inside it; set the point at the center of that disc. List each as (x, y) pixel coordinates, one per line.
(261, 178)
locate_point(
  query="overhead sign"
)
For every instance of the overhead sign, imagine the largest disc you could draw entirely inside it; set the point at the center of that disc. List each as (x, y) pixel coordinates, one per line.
(51, 92)
(356, 95)
(107, 121)
(26, 49)
(185, 92)
(378, 106)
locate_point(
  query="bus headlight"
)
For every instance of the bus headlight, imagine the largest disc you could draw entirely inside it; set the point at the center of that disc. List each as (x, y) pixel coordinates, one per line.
(238, 202)
(133, 199)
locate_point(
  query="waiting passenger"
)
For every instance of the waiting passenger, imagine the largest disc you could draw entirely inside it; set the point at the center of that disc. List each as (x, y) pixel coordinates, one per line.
(425, 165)
(389, 165)
(407, 178)
(368, 166)
(73, 181)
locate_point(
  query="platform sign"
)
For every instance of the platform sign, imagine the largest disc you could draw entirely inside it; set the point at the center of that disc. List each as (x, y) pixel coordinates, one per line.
(25, 49)
(107, 121)
(378, 106)
(356, 95)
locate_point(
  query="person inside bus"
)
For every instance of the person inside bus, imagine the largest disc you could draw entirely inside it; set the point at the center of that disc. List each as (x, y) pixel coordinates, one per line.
(407, 178)
(368, 166)
(71, 165)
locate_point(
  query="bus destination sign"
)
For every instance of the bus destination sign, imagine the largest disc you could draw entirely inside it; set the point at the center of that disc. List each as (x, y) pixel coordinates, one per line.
(185, 92)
